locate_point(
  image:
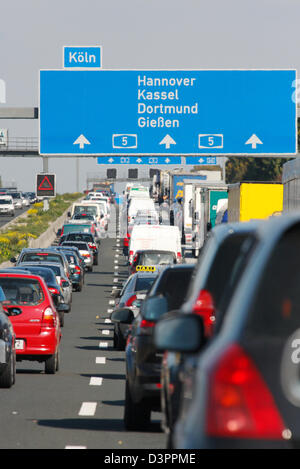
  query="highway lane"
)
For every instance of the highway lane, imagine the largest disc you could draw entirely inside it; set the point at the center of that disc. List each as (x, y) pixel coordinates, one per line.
(82, 405)
(6, 219)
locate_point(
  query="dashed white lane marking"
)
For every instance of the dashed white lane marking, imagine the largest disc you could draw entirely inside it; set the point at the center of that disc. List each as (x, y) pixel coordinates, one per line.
(116, 280)
(110, 310)
(116, 267)
(103, 345)
(105, 332)
(107, 321)
(95, 381)
(75, 447)
(116, 255)
(88, 409)
(100, 360)
(116, 262)
(111, 302)
(114, 287)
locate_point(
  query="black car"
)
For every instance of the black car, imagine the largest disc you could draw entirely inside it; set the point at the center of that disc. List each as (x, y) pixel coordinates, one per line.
(7, 347)
(246, 390)
(76, 263)
(215, 278)
(143, 361)
(135, 289)
(85, 237)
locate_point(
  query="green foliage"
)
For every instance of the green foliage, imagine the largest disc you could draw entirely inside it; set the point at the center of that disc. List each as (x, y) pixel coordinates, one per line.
(13, 240)
(254, 169)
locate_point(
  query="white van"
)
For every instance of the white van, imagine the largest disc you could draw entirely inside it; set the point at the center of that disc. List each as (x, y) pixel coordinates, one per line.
(137, 204)
(7, 205)
(90, 208)
(155, 237)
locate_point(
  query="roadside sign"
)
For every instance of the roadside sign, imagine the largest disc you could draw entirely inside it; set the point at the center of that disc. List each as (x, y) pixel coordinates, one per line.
(82, 57)
(165, 112)
(45, 185)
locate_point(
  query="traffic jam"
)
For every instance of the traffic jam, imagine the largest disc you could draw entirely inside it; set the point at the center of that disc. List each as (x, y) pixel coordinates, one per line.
(205, 317)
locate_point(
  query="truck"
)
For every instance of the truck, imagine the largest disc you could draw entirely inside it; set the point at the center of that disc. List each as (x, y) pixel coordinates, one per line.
(202, 213)
(291, 185)
(254, 200)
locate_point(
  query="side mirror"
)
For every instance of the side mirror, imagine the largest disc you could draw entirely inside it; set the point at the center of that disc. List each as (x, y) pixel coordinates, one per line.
(65, 284)
(123, 315)
(116, 293)
(69, 214)
(180, 332)
(13, 260)
(154, 307)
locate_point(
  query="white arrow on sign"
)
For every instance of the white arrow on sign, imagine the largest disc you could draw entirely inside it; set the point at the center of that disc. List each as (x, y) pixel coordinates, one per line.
(139, 160)
(111, 160)
(201, 160)
(168, 141)
(167, 160)
(254, 141)
(81, 141)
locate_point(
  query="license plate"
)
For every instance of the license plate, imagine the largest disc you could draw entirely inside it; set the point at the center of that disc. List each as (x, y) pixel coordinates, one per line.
(20, 344)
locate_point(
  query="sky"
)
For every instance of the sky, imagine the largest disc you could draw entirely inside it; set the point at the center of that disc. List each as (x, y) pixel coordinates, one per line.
(134, 34)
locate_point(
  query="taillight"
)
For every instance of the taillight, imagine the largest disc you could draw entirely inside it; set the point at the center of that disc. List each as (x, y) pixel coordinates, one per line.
(126, 242)
(146, 324)
(54, 291)
(130, 256)
(179, 257)
(130, 300)
(92, 246)
(48, 318)
(77, 269)
(205, 308)
(239, 403)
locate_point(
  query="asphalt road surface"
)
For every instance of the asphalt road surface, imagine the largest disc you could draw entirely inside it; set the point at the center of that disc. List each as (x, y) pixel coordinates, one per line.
(6, 219)
(82, 405)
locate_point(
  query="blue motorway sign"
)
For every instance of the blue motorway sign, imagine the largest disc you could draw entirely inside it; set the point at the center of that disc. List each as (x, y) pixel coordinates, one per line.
(139, 160)
(82, 57)
(198, 160)
(180, 112)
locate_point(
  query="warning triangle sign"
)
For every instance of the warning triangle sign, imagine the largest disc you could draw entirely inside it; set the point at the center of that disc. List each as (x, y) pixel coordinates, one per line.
(45, 185)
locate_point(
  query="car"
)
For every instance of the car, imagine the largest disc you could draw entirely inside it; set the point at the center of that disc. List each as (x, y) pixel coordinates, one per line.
(43, 255)
(6, 205)
(87, 238)
(143, 361)
(152, 257)
(73, 249)
(63, 282)
(245, 394)
(17, 199)
(53, 286)
(135, 289)
(34, 318)
(77, 271)
(7, 348)
(25, 201)
(31, 196)
(216, 275)
(85, 252)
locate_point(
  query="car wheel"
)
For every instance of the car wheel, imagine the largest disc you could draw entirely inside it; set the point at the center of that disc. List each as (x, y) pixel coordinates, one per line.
(51, 364)
(79, 287)
(136, 415)
(7, 378)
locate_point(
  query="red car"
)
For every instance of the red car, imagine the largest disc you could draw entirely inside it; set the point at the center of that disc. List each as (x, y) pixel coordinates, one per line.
(34, 318)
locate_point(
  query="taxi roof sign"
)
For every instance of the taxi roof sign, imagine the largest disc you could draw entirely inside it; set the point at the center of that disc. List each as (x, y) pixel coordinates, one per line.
(145, 268)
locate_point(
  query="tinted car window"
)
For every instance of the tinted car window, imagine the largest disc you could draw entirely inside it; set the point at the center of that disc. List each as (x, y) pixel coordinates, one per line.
(174, 285)
(80, 237)
(80, 246)
(276, 306)
(47, 275)
(22, 291)
(34, 257)
(144, 283)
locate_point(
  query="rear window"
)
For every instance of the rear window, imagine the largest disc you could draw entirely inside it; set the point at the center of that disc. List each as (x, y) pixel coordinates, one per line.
(144, 283)
(276, 305)
(78, 227)
(80, 237)
(42, 257)
(157, 258)
(89, 210)
(174, 285)
(47, 275)
(21, 291)
(80, 246)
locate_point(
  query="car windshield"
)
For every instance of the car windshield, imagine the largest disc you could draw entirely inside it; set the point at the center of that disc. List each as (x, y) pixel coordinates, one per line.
(144, 283)
(21, 291)
(5, 201)
(157, 258)
(41, 257)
